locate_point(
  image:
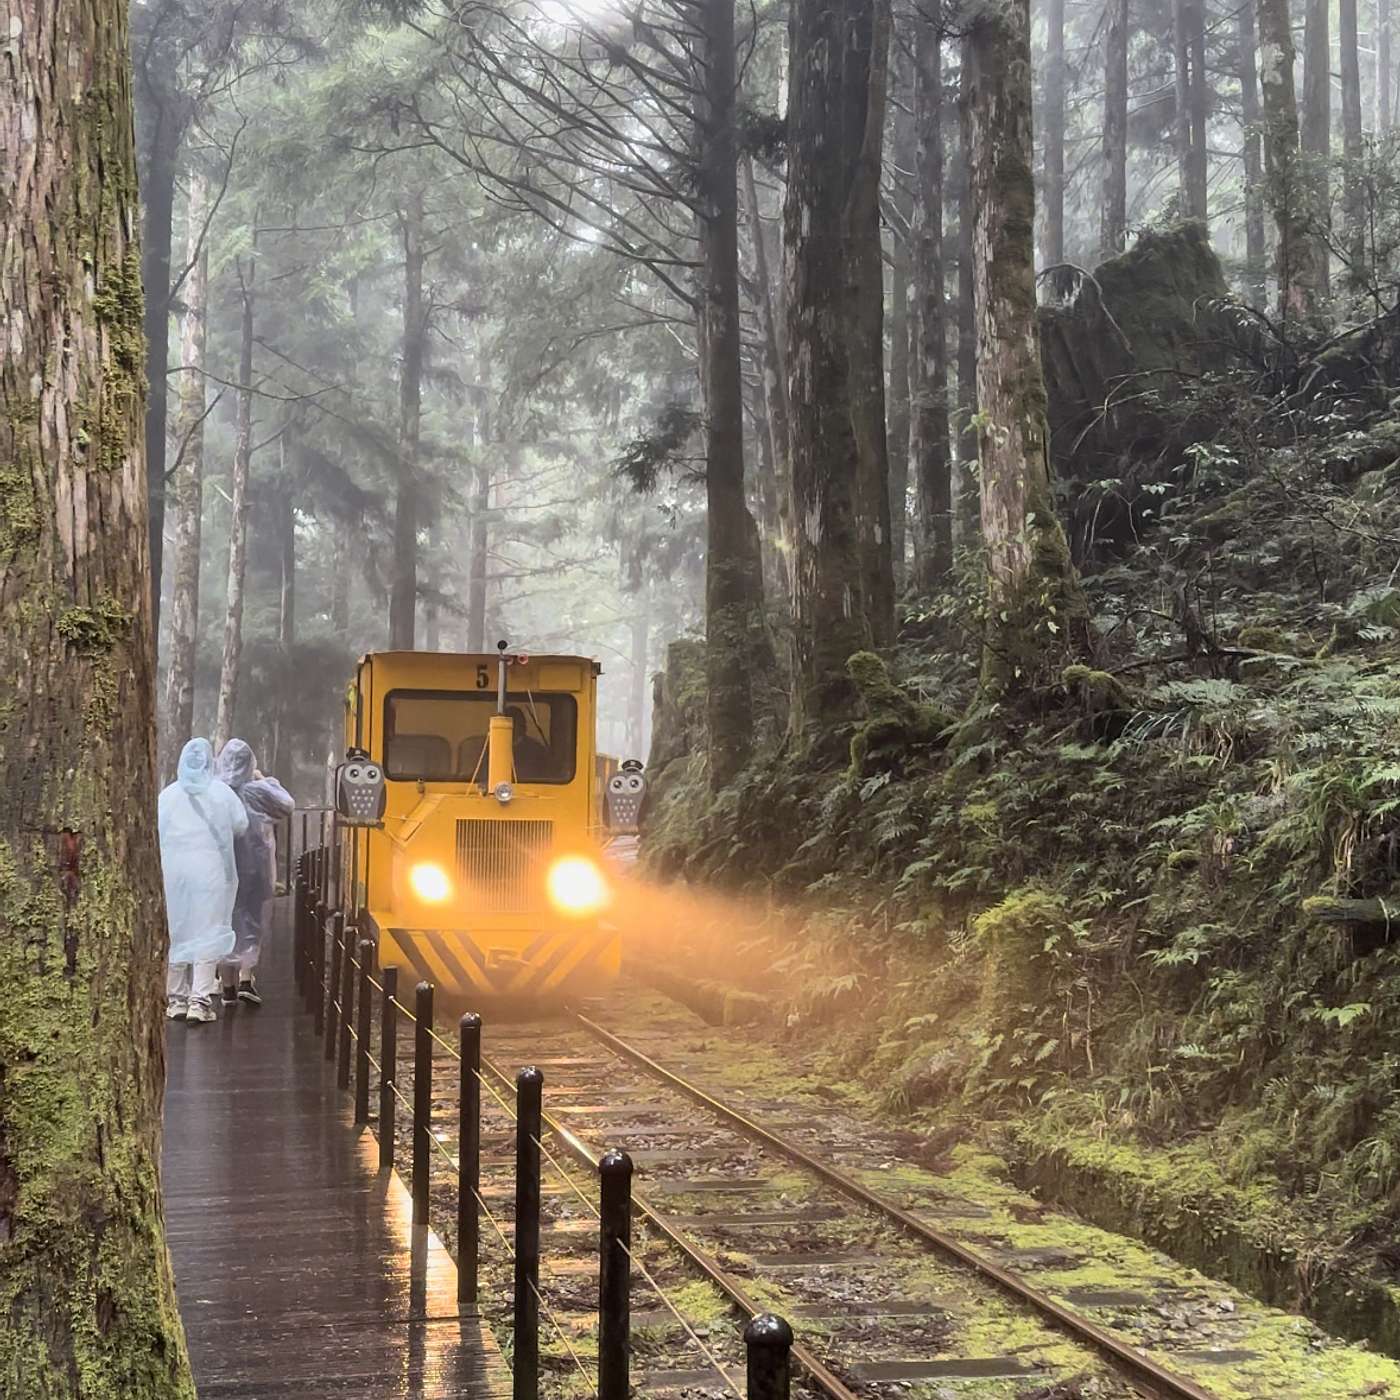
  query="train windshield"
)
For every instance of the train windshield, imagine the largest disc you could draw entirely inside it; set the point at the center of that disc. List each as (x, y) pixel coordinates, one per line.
(440, 736)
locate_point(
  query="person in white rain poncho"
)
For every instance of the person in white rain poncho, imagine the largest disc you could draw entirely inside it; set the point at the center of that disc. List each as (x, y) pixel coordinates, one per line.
(266, 801)
(199, 819)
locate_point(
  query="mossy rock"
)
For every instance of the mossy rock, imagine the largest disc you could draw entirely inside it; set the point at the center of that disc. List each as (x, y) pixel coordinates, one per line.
(895, 721)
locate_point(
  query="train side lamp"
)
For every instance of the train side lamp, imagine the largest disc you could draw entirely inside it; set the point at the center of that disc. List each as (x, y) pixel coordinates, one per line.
(626, 789)
(360, 794)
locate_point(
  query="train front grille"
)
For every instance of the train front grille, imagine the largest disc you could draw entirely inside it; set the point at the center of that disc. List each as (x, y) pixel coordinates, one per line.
(502, 864)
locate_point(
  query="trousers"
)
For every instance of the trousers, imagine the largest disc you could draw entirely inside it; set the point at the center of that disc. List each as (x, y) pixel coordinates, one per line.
(192, 981)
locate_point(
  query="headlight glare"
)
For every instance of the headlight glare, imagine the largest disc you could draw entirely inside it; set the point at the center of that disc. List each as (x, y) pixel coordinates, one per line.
(577, 887)
(430, 883)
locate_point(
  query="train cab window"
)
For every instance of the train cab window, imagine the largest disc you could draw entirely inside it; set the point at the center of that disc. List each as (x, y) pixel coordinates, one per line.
(440, 736)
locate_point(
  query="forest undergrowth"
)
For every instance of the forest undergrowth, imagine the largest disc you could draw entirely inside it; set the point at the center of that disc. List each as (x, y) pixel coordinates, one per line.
(1143, 935)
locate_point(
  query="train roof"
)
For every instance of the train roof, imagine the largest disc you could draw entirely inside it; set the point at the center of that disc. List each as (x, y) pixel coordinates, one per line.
(476, 658)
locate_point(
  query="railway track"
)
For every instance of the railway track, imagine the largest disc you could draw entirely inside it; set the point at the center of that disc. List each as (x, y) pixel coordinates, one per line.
(882, 1300)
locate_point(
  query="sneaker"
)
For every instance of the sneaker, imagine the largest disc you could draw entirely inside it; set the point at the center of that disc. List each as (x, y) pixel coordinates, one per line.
(249, 993)
(176, 1009)
(230, 995)
(201, 1010)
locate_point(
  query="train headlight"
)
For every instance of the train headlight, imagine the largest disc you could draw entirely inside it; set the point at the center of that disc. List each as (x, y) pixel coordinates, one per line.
(577, 887)
(430, 883)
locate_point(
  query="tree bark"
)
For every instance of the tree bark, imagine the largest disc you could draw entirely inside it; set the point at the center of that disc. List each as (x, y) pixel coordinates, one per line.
(1255, 249)
(238, 514)
(843, 594)
(188, 489)
(287, 555)
(968, 509)
(1317, 123)
(1114, 226)
(1353, 211)
(931, 448)
(1301, 255)
(403, 593)
(904, 155)
(1055, 132)
(1036, 613)
(168, 119)
(1191, 101)
(89, 1300)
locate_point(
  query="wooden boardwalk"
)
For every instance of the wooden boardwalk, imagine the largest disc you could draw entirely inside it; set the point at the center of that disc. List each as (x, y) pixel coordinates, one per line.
(298, 1269)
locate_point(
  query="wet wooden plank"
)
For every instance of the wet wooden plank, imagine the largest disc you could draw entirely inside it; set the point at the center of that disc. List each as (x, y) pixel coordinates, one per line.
(298, 1269)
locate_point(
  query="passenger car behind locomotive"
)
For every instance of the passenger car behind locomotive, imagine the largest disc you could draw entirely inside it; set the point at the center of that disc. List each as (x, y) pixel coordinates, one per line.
(481, 869)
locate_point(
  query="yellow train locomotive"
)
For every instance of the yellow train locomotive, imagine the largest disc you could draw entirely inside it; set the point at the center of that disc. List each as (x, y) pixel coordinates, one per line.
(471, 814)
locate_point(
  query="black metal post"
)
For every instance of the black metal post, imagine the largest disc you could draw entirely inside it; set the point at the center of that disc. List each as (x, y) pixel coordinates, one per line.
(332, 988)
(614, 1276)
(362, 1008)
(768, 1340)
(317, 989)
(468, 1157)
(388, 1064)
(347, 1007)
(299, 925)
(422, 1098)
(529, 1094)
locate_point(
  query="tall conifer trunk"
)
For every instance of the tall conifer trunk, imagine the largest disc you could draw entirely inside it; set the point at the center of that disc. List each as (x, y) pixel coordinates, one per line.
(1191, 106)
(1036, 613)
(403, 594)
(1251, 116)
(968, 509)
(1384, 73)
(1301, 253)
(1317, 126)
(733, 568)
(931, 448)
(165, 108)
(843, 586)
(188, 492)
(1353, 212)
(1114, 220)
(1054, 119)
(89, 1300)
(238, 514)
(903, 155)
(777, 412)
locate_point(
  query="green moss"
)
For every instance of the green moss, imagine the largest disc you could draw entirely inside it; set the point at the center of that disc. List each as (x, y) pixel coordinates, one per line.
(895, 721)
(96, 630)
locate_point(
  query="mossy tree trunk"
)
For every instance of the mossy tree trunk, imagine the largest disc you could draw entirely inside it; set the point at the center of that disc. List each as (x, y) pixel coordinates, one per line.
(87, 1303)
(1035, 610)
(188, 487)
(238, 513)
(403, 593)
(1302, 255)
(843, 584)
(733, 567)
(1114, 219)
(931, 447)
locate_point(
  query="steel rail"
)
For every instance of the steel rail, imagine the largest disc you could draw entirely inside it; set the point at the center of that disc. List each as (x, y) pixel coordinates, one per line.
(1160, 1381)
(824, 1378)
